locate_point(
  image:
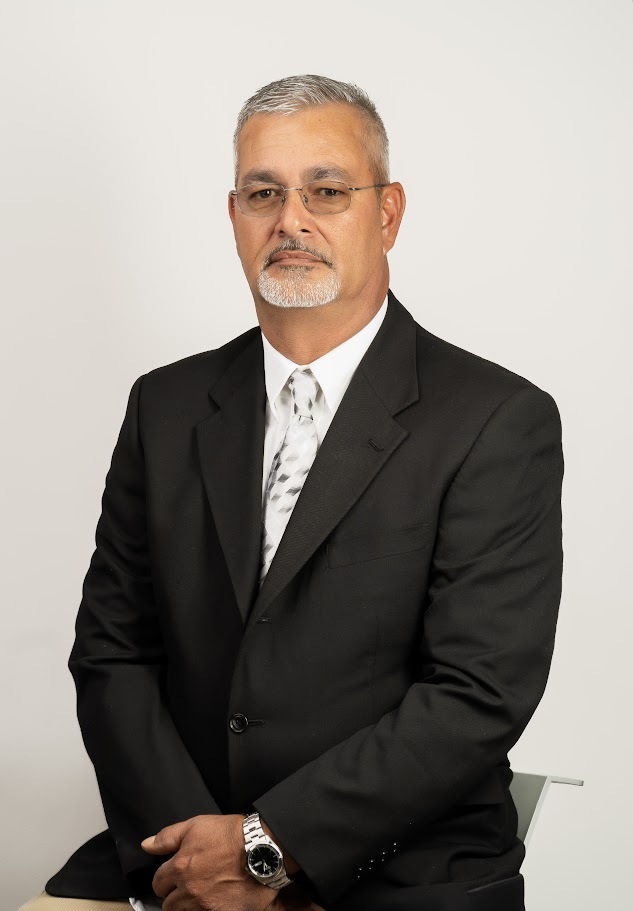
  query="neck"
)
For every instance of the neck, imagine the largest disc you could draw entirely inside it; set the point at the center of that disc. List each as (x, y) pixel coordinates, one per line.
(303, 334)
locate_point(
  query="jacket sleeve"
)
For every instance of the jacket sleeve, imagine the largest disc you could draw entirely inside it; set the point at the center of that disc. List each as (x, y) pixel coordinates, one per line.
(484, 658)
(146, 777)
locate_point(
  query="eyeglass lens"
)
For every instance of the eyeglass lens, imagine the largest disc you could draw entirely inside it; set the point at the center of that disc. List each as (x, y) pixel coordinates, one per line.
(322, 197)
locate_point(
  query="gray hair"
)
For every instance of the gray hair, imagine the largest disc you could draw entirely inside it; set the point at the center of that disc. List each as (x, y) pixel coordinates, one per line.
(293, 93)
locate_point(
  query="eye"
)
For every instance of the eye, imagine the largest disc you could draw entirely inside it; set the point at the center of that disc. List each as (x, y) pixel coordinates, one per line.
(263, 194)
(329, 192)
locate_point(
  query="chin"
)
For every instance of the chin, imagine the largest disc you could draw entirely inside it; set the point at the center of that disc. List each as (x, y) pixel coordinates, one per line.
(297, 288)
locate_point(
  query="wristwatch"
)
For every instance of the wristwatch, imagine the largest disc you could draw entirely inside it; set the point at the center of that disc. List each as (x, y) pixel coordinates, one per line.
(264, 859)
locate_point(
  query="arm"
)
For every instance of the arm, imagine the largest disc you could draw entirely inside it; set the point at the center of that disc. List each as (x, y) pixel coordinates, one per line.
(146, 777)
(483, 660)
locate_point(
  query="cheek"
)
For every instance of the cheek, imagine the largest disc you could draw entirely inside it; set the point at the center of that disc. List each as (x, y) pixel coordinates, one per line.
(359, 237)
(356, 249)
(250, 246)
(344, 244)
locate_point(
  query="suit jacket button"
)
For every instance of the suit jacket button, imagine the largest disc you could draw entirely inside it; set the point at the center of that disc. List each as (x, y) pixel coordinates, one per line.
(238, 723)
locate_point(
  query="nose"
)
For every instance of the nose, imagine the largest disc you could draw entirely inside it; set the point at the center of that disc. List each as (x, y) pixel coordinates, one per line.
(294, 218)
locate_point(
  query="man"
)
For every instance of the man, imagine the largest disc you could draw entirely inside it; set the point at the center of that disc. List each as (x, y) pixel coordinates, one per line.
(323, 600)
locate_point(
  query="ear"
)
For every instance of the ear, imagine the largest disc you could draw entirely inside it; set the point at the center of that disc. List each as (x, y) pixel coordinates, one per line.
(232, 202)
(391, 211)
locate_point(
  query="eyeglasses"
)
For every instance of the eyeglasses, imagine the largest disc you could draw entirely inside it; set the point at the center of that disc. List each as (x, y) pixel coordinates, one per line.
(321, 197)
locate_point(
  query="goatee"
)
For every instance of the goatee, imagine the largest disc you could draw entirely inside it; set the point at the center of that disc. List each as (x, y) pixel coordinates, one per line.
(295, 286)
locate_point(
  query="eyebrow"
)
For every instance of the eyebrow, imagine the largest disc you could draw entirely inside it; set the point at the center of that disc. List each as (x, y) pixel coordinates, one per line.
(330, 171)
(322, 172)
(260, 177)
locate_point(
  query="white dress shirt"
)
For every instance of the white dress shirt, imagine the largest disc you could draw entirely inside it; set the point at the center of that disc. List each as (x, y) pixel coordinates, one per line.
(333, 372)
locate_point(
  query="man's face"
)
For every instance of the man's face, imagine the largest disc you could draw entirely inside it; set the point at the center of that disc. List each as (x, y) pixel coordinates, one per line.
(315, 258)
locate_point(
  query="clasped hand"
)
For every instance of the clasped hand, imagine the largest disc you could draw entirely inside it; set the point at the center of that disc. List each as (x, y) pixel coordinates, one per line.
(208, 873)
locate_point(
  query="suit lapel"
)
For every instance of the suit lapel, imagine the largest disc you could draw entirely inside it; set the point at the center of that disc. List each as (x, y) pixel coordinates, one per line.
(361, 438)
(231, 447)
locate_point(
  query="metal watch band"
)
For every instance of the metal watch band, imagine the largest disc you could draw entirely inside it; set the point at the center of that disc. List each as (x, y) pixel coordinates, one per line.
(255, 835)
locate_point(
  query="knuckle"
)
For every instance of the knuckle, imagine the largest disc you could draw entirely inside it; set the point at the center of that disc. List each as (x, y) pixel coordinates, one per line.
(192, 890)
(181, 863)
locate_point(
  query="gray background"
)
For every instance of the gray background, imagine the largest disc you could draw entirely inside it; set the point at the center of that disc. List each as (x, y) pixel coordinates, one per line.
(511, 130)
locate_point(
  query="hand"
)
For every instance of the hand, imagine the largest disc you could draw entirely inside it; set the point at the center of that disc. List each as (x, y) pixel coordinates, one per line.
(208, 871)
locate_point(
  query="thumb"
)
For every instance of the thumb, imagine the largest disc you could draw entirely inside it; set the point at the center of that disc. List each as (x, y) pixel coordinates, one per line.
(167, 841)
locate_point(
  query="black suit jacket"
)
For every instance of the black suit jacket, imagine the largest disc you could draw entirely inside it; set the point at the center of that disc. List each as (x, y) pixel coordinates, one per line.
(397, 649)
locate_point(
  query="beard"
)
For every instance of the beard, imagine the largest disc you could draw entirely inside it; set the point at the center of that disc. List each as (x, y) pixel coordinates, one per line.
(296, 287)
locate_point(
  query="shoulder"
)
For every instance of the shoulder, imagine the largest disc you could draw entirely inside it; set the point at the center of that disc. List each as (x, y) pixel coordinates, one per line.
(180, 390)
(208, 364)
(496, 417)
(196, 372)
(463, 380)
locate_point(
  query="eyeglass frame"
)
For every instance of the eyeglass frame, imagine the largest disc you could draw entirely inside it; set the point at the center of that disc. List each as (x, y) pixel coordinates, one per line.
(235, 192)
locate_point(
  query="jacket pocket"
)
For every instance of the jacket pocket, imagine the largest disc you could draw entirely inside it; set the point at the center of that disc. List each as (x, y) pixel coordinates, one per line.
(386, 543)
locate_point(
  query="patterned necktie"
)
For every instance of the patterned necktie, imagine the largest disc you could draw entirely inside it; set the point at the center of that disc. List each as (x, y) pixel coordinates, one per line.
(290, 466)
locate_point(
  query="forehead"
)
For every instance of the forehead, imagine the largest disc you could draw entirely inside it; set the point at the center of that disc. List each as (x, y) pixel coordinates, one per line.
(296, 146)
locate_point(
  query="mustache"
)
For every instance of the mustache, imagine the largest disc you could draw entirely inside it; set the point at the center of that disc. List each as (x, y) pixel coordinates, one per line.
(294, 246)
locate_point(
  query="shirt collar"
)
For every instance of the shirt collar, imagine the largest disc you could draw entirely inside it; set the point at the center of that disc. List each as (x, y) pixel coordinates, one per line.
(333, 370)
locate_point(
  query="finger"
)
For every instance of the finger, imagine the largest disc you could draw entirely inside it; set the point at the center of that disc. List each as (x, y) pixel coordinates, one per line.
(164, 880)
(167, 841)
(173, 902)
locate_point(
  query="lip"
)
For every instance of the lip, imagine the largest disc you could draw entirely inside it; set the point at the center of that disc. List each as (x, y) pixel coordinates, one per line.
(293, 256)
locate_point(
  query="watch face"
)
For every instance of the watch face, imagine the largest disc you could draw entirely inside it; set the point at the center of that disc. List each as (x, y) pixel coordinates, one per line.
(264, 860)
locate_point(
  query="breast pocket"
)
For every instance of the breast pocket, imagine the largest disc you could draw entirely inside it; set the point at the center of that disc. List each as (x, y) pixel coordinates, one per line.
(345, 551)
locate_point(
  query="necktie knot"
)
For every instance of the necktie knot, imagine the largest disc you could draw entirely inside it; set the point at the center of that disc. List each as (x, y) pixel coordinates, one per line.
(303, 388)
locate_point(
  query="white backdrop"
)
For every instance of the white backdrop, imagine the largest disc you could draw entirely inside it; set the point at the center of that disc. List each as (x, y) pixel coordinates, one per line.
(511, 130)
